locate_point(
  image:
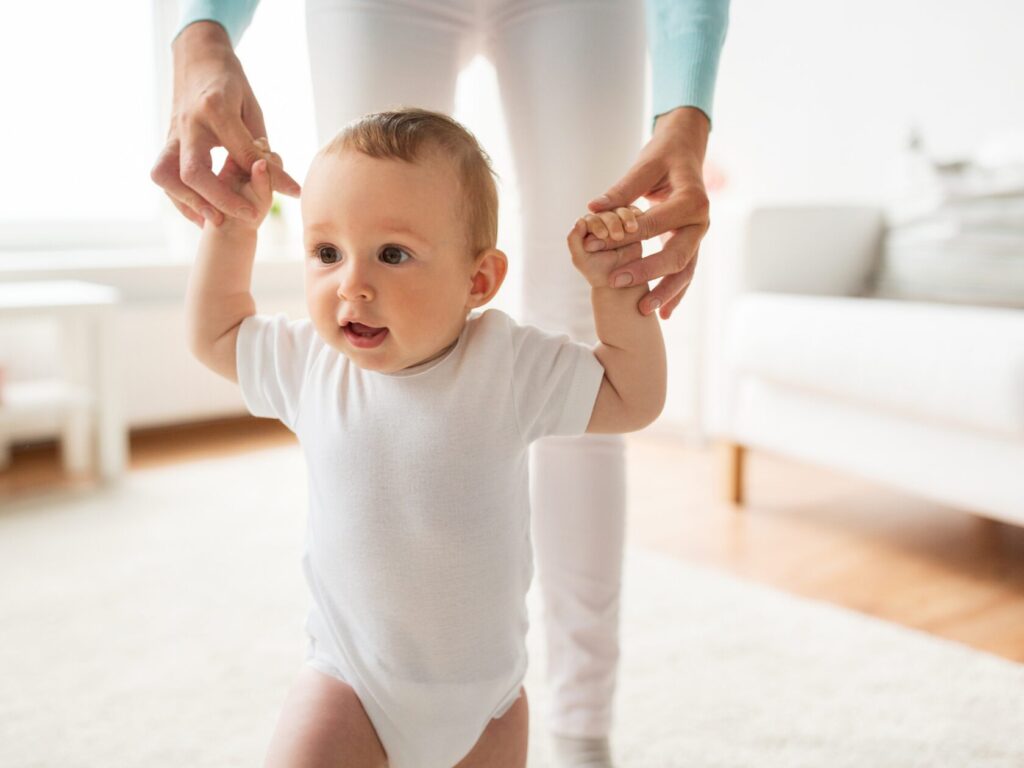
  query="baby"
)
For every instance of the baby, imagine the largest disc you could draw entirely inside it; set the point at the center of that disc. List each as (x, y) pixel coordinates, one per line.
(415, 414)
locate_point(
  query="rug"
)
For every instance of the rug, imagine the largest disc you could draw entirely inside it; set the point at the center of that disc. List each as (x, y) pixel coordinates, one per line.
(159, 624)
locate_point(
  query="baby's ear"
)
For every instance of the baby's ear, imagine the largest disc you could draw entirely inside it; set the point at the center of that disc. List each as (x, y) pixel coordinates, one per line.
(489, 275)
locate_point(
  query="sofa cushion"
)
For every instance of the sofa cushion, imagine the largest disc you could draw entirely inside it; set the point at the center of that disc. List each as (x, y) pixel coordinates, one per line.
(939, 263)
(957, 365)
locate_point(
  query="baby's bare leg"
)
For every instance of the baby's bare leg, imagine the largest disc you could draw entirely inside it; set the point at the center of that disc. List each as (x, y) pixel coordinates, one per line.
(504, 740)
(323, 725)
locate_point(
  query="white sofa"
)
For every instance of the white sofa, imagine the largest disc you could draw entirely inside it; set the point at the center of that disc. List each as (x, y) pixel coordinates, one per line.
(923, 396)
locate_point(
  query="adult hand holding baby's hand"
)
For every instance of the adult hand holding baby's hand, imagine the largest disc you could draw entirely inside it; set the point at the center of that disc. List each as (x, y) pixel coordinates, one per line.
(213, 106)
(668, 173)
(255, 188)
(597, 267)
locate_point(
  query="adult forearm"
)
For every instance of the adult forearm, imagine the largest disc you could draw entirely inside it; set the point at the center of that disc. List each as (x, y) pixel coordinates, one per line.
(631, 349)
(219, 293)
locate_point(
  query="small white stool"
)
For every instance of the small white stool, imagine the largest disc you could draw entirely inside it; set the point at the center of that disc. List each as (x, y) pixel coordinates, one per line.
(84, 408)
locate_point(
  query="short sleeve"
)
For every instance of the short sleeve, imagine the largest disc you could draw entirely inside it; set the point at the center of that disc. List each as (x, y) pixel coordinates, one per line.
(555, 382)
(273, 355)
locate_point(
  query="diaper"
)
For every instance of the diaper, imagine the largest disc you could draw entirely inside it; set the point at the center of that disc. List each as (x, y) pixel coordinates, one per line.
(423, 725)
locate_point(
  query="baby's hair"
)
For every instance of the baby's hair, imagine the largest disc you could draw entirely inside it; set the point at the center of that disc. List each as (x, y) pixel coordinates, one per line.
(403, 134)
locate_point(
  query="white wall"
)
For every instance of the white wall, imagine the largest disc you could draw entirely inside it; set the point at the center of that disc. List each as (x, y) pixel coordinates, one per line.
(815, 97)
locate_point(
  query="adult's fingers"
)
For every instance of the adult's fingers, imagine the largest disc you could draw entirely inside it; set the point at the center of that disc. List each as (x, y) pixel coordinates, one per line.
(669, 291)
(188, 213)
(166, 174)
(679, 210)
(280, 181)
(639, 180)
(197, 173)
(676, 253)
(233, 134)
(668, 308)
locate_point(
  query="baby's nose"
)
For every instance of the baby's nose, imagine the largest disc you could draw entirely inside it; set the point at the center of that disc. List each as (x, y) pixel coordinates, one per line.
(353, 287)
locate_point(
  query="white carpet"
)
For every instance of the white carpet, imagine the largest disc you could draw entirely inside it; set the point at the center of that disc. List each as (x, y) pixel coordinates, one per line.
(160, 625)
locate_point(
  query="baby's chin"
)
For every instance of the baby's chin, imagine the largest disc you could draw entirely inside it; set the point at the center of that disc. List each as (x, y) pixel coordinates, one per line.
(366, 359)
(379, 359)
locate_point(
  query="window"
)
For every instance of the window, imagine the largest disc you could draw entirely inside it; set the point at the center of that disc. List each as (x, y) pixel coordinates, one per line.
(79, 132)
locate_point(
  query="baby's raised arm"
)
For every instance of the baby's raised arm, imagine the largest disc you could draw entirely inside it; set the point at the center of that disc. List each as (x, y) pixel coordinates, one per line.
(630, 347)
(218, 297)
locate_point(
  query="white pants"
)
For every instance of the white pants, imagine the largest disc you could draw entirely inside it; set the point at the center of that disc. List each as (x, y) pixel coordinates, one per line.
(571, 77)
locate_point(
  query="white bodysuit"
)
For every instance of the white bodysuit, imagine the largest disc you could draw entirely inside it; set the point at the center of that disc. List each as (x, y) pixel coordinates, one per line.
(418, 553)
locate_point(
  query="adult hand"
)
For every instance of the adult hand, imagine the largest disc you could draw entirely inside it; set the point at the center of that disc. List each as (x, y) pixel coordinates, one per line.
(669, 173)
(213, 106)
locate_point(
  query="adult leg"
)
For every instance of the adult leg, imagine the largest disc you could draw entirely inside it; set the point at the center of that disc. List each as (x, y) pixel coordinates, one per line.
(571, 76)
(372, 56)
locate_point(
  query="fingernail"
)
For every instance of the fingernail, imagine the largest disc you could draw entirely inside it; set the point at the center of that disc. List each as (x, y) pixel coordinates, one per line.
(653, 306)
(621, 281)
(208, 214)
(603, 200)
(594, 245)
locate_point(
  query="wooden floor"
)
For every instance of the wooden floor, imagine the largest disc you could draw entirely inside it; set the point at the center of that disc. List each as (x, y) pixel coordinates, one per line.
(804, 530)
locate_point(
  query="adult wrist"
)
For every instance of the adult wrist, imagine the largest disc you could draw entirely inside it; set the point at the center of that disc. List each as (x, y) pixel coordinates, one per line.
(202, 45)
(200, 35)
(687, 124)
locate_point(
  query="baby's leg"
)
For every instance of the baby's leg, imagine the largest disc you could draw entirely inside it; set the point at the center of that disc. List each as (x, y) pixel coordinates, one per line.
(504, 740)
(323, 725)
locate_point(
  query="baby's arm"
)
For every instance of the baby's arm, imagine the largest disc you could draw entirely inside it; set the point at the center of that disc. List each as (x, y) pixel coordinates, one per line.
(630, 346)
(218, 297)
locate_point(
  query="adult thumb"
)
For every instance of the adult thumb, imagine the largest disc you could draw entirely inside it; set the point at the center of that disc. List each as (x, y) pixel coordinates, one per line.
(638, 181)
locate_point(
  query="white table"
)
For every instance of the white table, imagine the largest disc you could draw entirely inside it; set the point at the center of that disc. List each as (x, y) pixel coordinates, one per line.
(87, 401)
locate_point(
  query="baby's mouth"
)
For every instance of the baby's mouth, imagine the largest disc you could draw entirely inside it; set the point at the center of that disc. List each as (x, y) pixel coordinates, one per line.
(364, 330)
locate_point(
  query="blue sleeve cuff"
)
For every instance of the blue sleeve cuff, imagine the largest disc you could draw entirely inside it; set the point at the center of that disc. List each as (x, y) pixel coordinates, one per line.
(685, 39)
(233, 15)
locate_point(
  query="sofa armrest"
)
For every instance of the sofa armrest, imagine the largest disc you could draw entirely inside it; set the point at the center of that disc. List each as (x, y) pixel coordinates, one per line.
(829, 250)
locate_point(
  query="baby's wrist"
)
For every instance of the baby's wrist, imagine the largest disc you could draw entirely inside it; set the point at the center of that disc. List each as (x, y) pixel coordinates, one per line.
(232, 229)
(595, 282)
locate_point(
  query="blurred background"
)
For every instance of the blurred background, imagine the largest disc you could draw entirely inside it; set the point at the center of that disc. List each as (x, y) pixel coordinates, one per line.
(846, 411)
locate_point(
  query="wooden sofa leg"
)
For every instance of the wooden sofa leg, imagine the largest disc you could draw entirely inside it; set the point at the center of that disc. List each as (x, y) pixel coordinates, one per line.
(731, 456)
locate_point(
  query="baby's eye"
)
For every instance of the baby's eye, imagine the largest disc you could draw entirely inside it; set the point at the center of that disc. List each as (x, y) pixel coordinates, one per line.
(329, 249)
(393, 255)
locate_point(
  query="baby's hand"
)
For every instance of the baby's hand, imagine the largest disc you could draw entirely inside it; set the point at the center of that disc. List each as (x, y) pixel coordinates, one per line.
(255, 188)
(608, 225)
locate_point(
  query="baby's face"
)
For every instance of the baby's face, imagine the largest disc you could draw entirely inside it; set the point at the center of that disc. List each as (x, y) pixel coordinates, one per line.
(385, 247)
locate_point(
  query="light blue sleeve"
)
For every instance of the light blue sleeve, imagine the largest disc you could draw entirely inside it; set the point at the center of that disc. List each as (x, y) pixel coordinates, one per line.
(685, 40)
(233, 15)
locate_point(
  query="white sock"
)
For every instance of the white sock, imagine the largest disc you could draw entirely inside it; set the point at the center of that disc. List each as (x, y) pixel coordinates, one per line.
(581, 752)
